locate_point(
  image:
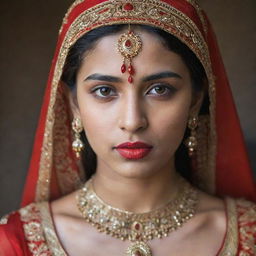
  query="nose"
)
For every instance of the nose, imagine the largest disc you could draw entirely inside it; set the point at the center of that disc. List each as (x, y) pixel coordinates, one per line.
(132, 115)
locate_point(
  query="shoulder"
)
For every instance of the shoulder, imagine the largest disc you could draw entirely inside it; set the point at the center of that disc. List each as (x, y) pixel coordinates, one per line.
(21, 231)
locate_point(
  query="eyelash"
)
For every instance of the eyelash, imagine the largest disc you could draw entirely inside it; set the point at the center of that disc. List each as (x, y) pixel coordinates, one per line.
(98, 89)
(170, 90)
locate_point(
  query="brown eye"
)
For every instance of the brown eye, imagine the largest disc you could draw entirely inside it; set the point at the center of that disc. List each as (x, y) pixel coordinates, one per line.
(103, 92)
(160, 89)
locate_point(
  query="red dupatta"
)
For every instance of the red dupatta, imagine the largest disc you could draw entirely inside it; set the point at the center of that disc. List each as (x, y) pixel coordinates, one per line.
(222, 163)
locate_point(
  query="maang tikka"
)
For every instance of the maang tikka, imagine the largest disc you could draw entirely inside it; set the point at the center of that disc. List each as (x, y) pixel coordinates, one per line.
(129, 45)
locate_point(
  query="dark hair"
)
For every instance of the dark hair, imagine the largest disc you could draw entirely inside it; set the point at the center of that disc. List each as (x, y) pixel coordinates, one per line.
(87, 42)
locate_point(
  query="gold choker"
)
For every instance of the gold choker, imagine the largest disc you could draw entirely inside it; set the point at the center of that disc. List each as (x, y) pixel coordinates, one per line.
(138, 227)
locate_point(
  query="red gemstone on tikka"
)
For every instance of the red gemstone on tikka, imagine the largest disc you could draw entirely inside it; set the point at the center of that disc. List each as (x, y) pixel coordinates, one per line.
(123, 68)
(128, 43)
(130, 79)
(131, 72)
(128, 7)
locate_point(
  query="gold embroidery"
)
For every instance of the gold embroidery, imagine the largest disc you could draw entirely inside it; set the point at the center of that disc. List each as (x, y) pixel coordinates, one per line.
(57, 147)
(30, 216)
(231, 241)
(150, 12)
(247, 227)
(49, 231)
(200, 175)
(65, 20)
(38, 250)
(200, 14)
(67, 176)
(4, 219)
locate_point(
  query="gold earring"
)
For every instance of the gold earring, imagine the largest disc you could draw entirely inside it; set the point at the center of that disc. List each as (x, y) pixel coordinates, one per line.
(77, 144)
(191, 141)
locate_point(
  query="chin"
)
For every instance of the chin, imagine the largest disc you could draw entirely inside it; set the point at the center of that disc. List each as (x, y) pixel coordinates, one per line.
(131, 171)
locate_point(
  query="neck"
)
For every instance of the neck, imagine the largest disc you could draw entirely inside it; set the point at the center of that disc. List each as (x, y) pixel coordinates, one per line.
(137, 195)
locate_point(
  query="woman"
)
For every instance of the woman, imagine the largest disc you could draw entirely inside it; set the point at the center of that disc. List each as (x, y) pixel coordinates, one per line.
(138, 91)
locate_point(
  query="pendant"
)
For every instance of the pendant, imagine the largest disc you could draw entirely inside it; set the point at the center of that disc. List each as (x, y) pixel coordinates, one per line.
(138, 249)
(129, 45)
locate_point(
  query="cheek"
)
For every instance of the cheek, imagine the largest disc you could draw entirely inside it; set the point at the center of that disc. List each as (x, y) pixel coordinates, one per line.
(96, 124)
(170, 121)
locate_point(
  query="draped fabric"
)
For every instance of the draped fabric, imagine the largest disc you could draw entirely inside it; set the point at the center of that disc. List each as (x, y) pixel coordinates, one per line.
(12, 238)
(221, 163)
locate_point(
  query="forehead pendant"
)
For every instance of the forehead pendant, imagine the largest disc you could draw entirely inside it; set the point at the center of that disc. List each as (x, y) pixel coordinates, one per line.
(129, 45)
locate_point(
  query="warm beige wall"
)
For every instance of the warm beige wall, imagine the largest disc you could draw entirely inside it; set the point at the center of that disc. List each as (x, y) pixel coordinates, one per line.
(28, 34)
(235, 26)
(27, 40)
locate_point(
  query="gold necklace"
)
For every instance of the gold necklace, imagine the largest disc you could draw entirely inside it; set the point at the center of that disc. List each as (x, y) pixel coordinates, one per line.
(138, 227)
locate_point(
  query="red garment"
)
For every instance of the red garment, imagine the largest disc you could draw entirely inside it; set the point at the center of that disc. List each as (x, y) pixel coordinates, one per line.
(12, 238)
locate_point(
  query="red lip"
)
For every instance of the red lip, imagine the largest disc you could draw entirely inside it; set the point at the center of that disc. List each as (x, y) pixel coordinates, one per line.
(136, 150)
(137, 144)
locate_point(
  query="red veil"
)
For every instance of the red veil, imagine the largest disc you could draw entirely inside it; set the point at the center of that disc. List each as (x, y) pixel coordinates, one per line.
(222, 166)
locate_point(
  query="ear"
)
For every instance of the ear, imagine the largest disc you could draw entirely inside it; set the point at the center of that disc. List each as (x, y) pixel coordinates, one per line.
(196, 104)
(73, 103)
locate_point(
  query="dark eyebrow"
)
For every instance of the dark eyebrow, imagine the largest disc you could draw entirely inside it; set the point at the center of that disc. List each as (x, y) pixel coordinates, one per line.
(104, 78)
(161, 75)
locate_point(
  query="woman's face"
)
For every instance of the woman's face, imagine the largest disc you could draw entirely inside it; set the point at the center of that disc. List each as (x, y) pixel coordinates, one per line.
(154, 109)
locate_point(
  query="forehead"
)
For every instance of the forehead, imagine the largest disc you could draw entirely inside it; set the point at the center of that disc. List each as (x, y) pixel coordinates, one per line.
(153, 57)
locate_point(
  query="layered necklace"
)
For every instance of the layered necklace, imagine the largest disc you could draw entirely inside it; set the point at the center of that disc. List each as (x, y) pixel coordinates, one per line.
(139, 228)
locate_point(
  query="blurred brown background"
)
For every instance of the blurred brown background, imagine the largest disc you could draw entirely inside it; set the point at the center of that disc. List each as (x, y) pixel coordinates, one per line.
(28, 34)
